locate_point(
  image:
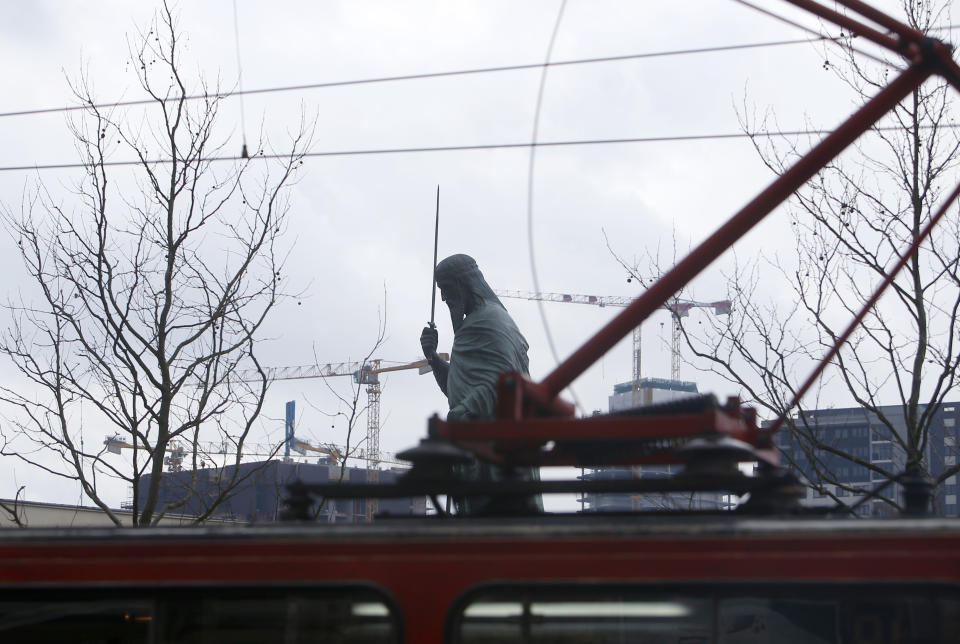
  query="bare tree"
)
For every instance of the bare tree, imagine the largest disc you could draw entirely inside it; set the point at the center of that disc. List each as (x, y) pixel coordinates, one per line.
(153, 284)
(849, 225)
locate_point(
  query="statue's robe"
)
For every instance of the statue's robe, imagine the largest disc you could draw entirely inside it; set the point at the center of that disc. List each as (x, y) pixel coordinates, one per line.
(487, 344)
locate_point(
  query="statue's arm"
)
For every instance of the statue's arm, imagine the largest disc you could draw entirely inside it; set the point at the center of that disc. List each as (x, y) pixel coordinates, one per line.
(440, 370)
(428, 342)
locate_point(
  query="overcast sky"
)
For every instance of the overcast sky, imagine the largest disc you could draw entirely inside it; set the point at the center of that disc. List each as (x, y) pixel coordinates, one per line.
(361, 226)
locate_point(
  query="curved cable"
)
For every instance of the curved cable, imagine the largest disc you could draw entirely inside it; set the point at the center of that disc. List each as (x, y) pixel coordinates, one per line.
(531, 167)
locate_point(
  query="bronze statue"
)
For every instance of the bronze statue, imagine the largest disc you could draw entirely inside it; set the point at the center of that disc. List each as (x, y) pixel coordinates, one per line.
(486, 343)
(486, 340)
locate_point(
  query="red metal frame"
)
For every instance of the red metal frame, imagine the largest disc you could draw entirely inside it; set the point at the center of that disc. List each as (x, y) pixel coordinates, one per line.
(521, 400)
(526, 441)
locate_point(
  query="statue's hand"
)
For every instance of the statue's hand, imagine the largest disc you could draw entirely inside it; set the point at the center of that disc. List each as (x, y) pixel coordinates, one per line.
(458, 413)
(429, 340)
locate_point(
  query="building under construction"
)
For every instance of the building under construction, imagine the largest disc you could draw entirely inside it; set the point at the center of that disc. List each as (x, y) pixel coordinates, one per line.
(626, 396)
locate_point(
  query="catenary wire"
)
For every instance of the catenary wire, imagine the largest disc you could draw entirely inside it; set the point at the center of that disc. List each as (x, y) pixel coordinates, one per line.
(484, 70)
(468, 148)
(429, 75)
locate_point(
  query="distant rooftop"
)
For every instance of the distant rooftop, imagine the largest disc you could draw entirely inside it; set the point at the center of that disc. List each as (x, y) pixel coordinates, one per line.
(657, 383)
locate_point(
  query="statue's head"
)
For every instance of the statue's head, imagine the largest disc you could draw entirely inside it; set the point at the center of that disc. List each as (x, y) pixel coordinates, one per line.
(463, 288)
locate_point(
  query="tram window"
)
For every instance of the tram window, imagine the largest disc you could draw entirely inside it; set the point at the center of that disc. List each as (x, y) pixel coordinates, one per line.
(185, 616)
(562, 617)
(76, 620)
(724, 614)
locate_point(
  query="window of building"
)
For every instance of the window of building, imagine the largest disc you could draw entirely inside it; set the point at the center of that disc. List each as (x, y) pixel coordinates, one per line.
(950, 459)
(949, 441)
(951, 499)
(880, 434)
(949, 422)
(334, 615)
(782, 612)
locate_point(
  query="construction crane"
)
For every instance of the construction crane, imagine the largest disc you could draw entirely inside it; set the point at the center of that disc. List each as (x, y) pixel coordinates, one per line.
(336, 453)
(364, 373)
(680, 309)
(176, 451)
(677, 307)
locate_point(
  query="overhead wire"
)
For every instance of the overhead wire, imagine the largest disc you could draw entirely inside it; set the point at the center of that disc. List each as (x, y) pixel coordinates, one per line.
(815, 36)
(680, 138)
(424, 76)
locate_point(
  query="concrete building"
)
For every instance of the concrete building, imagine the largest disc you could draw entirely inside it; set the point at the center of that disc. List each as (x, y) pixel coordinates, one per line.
(860, 433)
(34, 514)
(257, 498)
(652, 391)
(259, 494)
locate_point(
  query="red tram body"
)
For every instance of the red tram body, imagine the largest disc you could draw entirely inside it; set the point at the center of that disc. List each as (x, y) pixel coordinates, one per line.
(427, 571)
